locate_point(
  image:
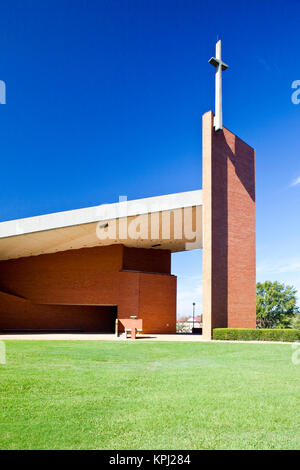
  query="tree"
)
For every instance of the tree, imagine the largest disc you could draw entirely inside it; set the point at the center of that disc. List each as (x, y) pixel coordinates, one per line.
(296, 322)
(276, 305)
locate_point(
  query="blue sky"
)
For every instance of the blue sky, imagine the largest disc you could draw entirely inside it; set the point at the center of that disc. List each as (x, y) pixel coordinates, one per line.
(105, 98)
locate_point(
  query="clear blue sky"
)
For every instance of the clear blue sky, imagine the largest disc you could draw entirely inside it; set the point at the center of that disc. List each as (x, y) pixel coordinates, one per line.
(105, 98)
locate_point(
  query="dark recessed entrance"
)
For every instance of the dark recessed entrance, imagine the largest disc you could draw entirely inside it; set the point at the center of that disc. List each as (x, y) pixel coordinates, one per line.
(64, 319)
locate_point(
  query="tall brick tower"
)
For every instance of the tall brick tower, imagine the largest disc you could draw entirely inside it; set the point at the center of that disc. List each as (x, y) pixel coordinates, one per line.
(229, 232)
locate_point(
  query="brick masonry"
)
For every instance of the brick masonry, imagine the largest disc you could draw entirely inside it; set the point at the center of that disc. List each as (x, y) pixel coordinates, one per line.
(48, 291)
(229, 259)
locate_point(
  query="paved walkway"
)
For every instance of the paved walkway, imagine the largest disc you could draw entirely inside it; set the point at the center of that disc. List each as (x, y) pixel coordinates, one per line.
(98, 337)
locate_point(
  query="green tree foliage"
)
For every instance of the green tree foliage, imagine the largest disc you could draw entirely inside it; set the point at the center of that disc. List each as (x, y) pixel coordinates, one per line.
(296, 322)
(276, 305)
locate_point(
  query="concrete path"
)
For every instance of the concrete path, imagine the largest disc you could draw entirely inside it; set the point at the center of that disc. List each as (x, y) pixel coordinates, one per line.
(97, 337)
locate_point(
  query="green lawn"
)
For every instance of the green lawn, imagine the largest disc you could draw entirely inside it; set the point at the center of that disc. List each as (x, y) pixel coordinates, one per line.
(137, 395)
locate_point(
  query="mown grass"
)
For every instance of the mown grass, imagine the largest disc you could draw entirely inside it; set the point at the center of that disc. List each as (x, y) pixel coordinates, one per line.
(137, 395)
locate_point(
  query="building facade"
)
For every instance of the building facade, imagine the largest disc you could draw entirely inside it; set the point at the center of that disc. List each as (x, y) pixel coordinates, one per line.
(80, 270)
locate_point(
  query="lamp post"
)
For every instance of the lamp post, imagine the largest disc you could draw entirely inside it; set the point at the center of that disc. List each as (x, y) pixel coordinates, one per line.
(194, 304)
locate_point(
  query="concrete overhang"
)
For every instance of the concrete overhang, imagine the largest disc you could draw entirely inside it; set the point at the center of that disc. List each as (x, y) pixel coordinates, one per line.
(170, 222)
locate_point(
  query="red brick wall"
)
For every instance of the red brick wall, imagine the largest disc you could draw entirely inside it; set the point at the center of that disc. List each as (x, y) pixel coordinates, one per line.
(85, 276)
(158, 300)
(90, 276)
(151, 261)
(229, 273)
(18, 313)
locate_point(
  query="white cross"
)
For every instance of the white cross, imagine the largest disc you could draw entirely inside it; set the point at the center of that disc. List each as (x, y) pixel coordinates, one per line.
(217, 62)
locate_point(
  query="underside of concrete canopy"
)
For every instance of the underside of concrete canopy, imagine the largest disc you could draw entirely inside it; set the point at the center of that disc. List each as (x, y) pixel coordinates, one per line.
(172, 222)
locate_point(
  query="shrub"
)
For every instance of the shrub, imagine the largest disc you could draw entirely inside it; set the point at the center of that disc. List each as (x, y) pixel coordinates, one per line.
(252, 334)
